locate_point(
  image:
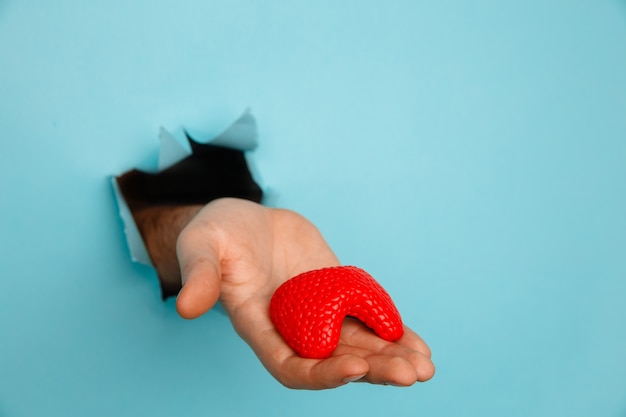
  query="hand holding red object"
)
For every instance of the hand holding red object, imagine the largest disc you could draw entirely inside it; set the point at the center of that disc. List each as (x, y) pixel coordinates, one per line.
(240, 252)
(308, 309)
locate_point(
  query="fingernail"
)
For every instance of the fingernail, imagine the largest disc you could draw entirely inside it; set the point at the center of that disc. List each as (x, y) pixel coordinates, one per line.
(352, 378)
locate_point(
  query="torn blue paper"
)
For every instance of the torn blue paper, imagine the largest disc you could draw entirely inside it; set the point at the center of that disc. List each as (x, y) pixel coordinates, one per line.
(241, 136)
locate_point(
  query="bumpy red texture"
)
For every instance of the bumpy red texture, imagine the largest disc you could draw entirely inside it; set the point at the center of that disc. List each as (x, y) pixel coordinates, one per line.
(308, 309)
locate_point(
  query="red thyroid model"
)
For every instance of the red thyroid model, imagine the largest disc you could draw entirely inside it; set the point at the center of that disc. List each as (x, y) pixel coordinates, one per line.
(308, 309)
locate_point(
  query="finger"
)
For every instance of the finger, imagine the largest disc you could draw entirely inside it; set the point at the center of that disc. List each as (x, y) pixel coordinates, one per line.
(422, 365)
(256, 328)
(297, 372)
(201, 276)
(355, 334)
(384, 369)
(390, 370)
(413, 341)
(302, 373)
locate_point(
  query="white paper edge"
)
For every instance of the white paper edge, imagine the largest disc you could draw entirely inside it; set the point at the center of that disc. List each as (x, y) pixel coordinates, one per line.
(136, 247)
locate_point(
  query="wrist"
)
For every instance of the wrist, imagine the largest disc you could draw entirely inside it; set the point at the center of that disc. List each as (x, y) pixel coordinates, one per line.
(159, 227)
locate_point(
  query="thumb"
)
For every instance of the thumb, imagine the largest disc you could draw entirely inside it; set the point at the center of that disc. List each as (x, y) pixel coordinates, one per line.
(201, 277)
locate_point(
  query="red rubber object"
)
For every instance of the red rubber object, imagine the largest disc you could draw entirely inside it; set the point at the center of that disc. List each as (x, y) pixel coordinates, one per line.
(308, 309)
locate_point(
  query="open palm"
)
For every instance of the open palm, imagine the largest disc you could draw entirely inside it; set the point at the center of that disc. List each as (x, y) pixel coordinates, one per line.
(239, 252)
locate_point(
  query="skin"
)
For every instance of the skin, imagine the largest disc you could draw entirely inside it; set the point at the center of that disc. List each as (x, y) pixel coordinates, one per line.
(239, 252)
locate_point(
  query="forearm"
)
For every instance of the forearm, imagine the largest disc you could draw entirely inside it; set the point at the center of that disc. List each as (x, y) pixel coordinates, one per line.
(159, 227)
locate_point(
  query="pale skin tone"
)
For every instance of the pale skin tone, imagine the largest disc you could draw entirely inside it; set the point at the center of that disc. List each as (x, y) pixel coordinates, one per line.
(239, 252)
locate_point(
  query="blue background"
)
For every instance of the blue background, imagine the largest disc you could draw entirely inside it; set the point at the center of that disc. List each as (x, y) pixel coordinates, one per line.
(470, 155)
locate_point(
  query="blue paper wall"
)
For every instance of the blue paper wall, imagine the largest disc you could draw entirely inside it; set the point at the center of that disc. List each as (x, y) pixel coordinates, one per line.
(472, 156)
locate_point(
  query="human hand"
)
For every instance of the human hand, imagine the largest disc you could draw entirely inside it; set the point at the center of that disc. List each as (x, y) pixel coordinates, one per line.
(239, 252)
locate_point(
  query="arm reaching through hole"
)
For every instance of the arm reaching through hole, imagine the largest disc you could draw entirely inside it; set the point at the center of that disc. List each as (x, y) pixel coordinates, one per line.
(238, 252)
